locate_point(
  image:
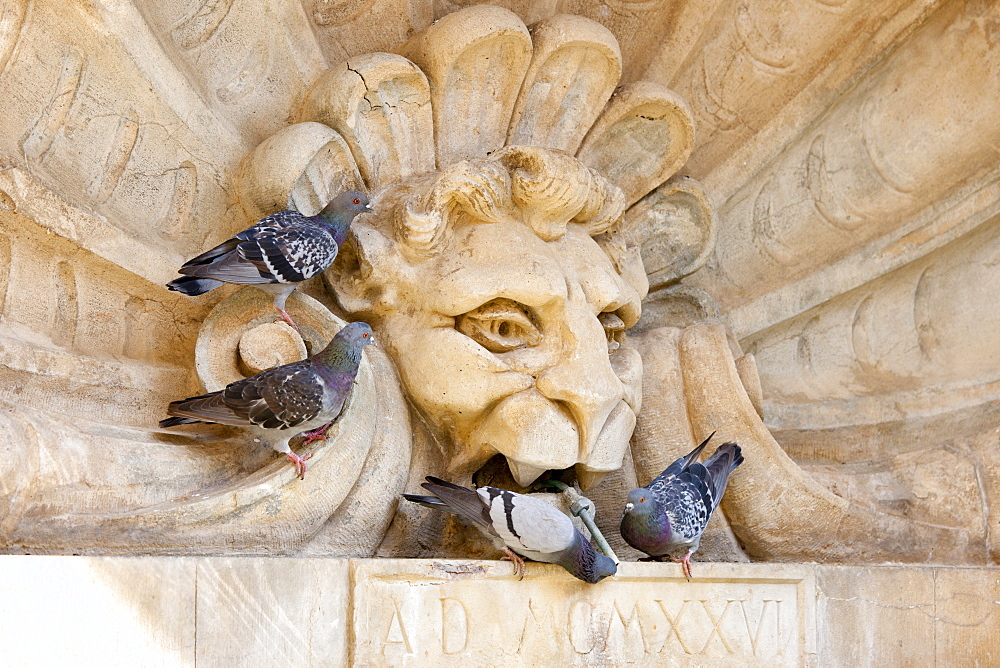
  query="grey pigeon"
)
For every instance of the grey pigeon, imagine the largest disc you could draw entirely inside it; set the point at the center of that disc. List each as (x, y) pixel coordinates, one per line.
(671, 512)
(278, 252)
(521, 526)
(284, 401)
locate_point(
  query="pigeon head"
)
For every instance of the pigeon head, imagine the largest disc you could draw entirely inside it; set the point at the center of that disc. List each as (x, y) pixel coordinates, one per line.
(355, 334)
(644, 524)
(342, 209)
(640, 502)
(588, 564)
(344, 350)
(351, 202)
(603, 567)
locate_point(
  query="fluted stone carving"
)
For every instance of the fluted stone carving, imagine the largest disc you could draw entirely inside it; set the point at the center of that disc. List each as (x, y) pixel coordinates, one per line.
(839, 238)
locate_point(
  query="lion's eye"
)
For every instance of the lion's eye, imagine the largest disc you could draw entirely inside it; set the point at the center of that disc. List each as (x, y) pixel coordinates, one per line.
(500, 325)
(614, 329)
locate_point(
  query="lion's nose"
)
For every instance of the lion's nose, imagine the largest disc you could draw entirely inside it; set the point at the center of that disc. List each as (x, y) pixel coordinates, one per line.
(582, 379)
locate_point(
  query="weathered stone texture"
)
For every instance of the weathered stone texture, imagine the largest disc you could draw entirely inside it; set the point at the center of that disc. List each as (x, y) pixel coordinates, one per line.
(330, 612)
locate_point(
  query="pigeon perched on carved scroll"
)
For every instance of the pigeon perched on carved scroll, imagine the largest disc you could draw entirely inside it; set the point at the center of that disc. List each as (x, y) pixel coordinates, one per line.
(277, 253)
(522, 526)
(287, 400)
(670, 513)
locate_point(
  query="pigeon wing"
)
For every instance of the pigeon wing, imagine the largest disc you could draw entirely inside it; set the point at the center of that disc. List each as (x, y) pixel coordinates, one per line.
(290, 254)
(231, 268)
(687, 500)
(278, 398)
(275, 221)
(210, 256)
(526, 524)
(209, 407)
(226, 263)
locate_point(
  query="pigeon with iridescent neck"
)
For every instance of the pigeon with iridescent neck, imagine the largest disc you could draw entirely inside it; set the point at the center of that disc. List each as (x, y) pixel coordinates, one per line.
(521, 526)
(670, 513)
(287, 400)
(277, 253)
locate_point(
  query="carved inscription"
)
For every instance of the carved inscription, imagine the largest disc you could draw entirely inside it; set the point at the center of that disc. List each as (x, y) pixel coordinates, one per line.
(636, 620)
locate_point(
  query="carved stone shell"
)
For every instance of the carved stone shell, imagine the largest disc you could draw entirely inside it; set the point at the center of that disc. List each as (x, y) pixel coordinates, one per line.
(854, 254)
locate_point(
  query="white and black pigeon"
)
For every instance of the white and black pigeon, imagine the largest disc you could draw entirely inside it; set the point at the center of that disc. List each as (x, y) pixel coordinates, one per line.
(287, 400)
(277, 253)
(670, 513)
(521, 526)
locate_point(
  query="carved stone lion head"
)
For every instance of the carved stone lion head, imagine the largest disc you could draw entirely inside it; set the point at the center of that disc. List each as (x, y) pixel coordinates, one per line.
(497, 286)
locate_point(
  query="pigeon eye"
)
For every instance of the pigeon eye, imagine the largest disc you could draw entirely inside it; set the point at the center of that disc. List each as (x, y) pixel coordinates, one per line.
(365, 335)
(500, 325)
(642, 499)
(357, 201)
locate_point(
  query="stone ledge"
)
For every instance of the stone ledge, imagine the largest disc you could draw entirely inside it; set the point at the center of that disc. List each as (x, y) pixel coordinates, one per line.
(288, 611)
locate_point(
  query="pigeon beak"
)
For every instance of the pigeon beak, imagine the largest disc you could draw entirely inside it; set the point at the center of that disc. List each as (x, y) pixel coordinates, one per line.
(629, 507)
(369, 209)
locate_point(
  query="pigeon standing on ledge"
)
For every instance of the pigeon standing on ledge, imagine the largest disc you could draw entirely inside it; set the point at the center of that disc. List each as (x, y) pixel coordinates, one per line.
(278, 252)
(520, 526)
(286, 400)
(672, 512)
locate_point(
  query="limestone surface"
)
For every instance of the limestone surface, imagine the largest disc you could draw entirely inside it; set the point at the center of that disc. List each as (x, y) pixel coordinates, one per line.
(604, 230)
(190, 611)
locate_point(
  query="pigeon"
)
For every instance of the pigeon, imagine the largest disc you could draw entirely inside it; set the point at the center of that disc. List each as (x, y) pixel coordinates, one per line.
(521, 526)
(672, 512)
(287, 400)
(278, 252)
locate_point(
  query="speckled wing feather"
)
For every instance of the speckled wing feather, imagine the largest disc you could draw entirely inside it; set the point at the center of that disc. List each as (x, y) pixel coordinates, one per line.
(285, 247)
(687, 500)
(279, 398)
(289, 253)
(689, 491)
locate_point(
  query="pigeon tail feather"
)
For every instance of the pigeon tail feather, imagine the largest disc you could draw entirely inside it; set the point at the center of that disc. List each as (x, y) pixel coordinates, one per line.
(692, 456)
(719, 466)
(210, 255)
(429, 501)
(464, 502)
(193, 285)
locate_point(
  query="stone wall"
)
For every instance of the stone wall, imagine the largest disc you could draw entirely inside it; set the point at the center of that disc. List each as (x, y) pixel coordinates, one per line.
(332, 612)
(811, 196)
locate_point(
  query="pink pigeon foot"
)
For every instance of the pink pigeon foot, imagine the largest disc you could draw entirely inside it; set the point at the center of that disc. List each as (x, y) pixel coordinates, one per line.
(300, 464)
(685, 563)
(316, 434)
(287, 318)
(518, 561)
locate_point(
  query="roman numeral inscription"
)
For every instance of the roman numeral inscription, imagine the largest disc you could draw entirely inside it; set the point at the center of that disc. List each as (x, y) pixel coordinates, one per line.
(647, 615)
